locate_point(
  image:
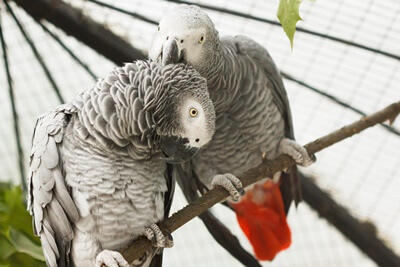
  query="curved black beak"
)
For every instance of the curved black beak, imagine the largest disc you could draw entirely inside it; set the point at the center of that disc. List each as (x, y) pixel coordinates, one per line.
(170, 52)
(176, 149)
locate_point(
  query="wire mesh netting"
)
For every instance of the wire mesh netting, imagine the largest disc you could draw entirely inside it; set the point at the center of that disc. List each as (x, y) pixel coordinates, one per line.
(361, 173)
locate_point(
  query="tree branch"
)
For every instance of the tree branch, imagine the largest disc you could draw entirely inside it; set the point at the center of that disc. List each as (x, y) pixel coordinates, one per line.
(266, 169)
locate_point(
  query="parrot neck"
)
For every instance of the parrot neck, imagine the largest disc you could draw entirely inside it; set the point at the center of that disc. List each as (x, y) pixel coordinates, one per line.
(223, 78)
(221, 69)
(213, 70)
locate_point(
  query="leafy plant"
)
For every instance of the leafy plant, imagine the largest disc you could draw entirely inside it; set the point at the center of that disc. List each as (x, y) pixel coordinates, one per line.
(18, 245)
(288, 15)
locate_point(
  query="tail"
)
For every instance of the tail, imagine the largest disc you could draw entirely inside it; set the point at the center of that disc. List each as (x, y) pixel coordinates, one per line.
(261, 215)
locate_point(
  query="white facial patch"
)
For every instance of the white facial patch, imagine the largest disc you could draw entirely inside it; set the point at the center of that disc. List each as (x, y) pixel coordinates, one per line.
(189, 40)
(194, 123)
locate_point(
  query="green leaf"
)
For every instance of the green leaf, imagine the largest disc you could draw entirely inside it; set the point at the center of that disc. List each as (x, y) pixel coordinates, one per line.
(22, 260)
(25, 245)
(288, 15)
(13, 212)
(6, 248)
(18, 245)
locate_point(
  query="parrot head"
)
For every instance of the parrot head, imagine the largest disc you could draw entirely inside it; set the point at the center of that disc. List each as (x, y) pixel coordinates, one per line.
(185, 35)
(184, 114)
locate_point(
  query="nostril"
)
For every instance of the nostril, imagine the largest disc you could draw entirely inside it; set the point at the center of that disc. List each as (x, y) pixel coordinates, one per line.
(197, 140)
(182, 41)
(167, 37)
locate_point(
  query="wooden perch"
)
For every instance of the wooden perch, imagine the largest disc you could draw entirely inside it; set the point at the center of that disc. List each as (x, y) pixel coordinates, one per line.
(266, 169)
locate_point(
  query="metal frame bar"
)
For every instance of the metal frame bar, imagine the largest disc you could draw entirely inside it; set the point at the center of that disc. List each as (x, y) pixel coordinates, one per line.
(299, 29)
(243, 15)
(73, 22)
(36, 53)
(132, 14)
(337, 101)
(285, 75)
(14, 110)
(69, 51)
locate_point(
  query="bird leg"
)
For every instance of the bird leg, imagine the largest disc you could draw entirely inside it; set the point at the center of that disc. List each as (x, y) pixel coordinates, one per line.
(111, 259)
(231, 183)
(157, 238)
(296, 151)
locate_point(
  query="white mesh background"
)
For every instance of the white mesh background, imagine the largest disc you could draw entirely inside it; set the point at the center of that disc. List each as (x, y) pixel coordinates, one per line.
(361, 173)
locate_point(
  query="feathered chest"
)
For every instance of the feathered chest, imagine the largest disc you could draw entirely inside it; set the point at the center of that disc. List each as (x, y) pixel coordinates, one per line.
(104, 171)
(121, 194)
(248, 124)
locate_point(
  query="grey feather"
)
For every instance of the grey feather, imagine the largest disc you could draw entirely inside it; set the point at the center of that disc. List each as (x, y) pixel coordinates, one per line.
(51, 242)
(50, 157)
(94, 181)
(64, 198)
(251, 104)
(59, 220)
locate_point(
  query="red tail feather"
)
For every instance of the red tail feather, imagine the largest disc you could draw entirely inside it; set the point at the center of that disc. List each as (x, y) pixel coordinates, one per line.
(261, 216)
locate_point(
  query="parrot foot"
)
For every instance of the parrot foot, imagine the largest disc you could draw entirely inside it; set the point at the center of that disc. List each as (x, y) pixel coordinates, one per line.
(111, 259)
(157, 238)
(231, 183)
(296, 151)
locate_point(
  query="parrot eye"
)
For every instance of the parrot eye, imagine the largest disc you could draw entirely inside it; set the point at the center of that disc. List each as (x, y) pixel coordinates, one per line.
(201, 40)
(193, 112)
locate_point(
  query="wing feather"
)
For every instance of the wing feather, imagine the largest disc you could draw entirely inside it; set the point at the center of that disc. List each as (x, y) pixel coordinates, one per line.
(50, 156)
(157, 260)
(263, 61)
(50, 203)
(290, 186)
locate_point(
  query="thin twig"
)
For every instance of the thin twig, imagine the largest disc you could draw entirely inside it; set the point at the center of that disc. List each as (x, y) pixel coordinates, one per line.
(266, 169)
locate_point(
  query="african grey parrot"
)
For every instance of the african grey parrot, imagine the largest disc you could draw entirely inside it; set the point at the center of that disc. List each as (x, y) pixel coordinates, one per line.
(253, 122)
(98, 174)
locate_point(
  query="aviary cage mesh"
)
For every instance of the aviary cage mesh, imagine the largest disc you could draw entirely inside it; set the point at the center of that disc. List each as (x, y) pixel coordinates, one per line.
(361, 173)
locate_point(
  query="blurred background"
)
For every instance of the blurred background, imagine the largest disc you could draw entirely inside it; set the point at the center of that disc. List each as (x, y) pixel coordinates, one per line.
(345, 63)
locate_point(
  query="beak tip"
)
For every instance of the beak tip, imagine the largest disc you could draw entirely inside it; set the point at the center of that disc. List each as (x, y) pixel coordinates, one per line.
(176, 151)
(170, 52)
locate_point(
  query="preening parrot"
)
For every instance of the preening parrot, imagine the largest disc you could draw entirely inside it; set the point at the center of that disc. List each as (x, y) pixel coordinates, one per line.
(253, 121)
(100, 173)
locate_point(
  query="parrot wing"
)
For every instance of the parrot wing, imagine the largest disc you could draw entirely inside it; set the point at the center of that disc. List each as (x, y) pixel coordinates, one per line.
(168, 197)
(50, 202)
(290, 185)
(260, 56)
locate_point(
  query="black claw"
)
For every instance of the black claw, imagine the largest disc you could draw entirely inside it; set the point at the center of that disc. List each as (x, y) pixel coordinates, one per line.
(169, 236)
(313, 158)
(154, 241)
(241, 191)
